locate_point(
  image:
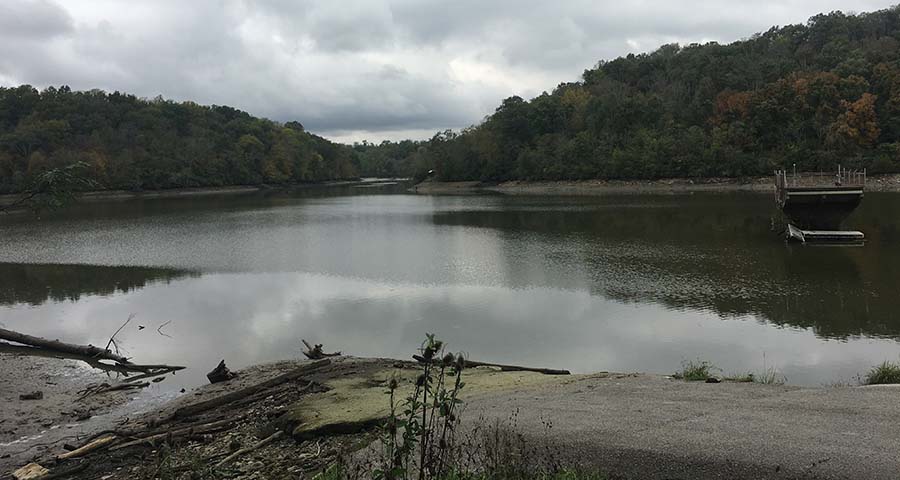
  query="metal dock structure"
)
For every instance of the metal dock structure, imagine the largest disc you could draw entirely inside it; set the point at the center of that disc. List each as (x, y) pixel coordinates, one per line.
(816, 204)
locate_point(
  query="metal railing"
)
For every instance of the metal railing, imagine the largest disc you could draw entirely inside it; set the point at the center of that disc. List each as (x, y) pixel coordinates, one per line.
(785, 180)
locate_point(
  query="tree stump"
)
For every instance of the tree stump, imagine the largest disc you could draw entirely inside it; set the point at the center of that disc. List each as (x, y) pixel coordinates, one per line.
(220, 374)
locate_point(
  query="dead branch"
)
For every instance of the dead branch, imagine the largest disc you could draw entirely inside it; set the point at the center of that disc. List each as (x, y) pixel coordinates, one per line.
(159, 329)
(315, 352)
(112, 339)
(262, 443)
(503, 368)
(204, 406)
(88, 448)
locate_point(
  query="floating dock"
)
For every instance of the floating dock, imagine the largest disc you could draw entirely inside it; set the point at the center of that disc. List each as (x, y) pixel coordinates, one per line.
(833, 237)
(816, 204)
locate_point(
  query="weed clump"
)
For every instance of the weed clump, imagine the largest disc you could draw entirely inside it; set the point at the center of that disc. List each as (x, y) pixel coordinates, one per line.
(695, 371)
(886, 373)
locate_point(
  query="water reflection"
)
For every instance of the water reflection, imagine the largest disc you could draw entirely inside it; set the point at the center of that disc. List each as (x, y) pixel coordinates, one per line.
(619, 283)
(251, 318)
(35, 284)
(714, 253)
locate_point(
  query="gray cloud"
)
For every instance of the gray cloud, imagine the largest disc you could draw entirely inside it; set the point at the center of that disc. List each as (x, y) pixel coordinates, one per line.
(358, 68)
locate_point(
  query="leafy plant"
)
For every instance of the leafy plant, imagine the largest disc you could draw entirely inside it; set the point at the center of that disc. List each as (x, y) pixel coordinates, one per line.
(419, 432)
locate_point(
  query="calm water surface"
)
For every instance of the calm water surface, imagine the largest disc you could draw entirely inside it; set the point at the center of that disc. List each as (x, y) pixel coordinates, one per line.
(622, 283)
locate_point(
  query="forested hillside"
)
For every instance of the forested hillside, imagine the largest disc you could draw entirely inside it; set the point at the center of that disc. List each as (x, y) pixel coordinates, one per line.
(135, 144)
(813, 95)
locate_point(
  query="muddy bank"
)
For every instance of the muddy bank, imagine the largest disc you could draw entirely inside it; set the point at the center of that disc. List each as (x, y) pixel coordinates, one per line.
(27, 426)
(310, 415)
(319, 411)
(875, 183)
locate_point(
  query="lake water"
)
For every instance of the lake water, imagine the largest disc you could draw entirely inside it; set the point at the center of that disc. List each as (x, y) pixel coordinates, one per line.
(618, 283)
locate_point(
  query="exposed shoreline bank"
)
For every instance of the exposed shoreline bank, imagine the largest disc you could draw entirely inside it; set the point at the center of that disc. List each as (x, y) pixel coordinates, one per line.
(589, 413)
(875, 183)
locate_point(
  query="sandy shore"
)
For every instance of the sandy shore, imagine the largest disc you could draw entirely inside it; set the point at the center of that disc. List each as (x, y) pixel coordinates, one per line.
(875, 183)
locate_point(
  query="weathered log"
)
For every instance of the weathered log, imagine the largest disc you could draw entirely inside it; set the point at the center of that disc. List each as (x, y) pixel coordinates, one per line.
(503, 368)
(220, 374)
(204, 406)
(58, 346)
(262, 443)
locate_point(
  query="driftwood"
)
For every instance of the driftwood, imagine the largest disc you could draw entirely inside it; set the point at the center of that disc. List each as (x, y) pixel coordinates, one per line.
(200, 407)
(89, 351)
(315, 352)
(88, 448)
(176, 433)
(220, 374)
(123, 369)
(115, 387)
(262, 443)
(503, 368)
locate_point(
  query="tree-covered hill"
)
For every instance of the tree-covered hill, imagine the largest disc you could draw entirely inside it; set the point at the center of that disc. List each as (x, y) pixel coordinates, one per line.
(813, 95)
(133, 143)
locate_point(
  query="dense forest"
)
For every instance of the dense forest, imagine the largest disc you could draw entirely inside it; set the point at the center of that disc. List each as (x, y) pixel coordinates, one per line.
(135, 144)
(813, 95)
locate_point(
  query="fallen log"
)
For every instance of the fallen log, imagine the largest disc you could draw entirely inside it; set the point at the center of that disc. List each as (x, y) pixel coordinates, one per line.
(200, 407)
(262, 443)
(124, 369)
(58, 346)
(502, 367)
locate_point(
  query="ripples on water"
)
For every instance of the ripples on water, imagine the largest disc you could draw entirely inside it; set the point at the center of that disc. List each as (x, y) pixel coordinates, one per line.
(605, 283)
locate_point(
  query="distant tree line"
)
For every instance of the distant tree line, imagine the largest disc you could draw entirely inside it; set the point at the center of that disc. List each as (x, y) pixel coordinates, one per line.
(814, 95)
(132, 143)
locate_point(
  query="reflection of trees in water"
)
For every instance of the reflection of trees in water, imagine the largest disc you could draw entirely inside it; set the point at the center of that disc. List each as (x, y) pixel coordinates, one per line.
(35, 284)
(709, 252)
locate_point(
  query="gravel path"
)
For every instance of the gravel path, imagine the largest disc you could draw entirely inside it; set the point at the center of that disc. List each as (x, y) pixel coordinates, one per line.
(654, 427)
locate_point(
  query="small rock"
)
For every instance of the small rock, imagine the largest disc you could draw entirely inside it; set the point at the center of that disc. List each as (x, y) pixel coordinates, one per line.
(35, 395)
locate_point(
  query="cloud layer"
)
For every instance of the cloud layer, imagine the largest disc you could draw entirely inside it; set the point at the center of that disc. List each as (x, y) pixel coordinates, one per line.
(358, 69)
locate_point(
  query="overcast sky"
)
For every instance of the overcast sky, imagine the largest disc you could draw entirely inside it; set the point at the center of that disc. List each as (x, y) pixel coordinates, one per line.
(366, 69)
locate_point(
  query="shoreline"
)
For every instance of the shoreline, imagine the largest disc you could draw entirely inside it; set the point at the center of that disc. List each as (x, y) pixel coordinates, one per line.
(106, 195)
(334, 407)
(875, 183)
